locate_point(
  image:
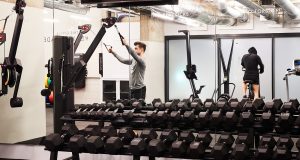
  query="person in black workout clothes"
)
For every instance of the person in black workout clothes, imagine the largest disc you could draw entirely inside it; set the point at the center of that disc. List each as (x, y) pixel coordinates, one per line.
(250, 62)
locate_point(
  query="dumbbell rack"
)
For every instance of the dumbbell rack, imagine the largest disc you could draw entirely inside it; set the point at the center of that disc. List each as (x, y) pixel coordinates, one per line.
(252, 130)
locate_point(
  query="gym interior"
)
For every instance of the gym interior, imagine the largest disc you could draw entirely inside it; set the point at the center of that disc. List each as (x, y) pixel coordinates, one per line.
(149, 79)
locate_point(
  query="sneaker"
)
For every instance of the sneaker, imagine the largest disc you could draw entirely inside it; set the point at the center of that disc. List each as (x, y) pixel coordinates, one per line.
(245, 96)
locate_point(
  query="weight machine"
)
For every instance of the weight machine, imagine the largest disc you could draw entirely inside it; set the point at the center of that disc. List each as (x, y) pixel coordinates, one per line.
(191, 69)
(65, 70)
(226, 73)
(12, 67)
(294, 71)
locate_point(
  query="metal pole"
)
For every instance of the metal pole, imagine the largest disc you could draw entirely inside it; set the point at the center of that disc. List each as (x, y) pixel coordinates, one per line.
(61, 45)
(287, 88)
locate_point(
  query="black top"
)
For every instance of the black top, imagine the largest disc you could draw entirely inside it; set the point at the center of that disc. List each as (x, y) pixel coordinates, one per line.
(250, 62)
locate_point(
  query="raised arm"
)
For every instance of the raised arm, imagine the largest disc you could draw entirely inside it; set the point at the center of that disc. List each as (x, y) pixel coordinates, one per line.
(122, 60)
(135, 56)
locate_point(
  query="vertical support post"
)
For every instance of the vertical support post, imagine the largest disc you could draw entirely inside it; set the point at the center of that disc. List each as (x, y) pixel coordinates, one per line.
(61, 46)
(53, 155)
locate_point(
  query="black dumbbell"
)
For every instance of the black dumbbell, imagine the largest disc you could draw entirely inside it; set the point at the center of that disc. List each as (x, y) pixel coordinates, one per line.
(54, 141)
(93, 113)
(231, 117)
(241, 150)
(283, 149)
(155, 100)
(204, 116)
(218, 113)
(127, 115)
(179, 147)
(243, 101)
(138, 146)
(267, 120)
(157, 105)
(265, 148)
(77, 142)
(96, 143)
(195, 107)
(286, 119)
(171, 105)
(114, 144)
(197, 148)
(81, 109)
(163, 116)
(247, 118)
(222, 147)
(258, 103)
(157, 147)
(203, 120)
(159, 115)
(180, 108)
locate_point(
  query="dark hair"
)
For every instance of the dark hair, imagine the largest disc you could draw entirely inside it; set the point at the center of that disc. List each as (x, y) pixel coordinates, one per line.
(252, 50)
(141, 45)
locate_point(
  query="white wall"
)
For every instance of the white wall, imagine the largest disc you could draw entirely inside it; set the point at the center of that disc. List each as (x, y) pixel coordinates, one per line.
(19, 124)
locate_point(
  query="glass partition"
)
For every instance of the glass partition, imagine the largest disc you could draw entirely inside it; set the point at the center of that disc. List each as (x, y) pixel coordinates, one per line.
(240, 48)
(286, 50)
(203, 56)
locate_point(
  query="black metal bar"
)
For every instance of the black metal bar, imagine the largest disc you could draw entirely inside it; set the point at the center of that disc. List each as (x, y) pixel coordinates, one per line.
(136, 157)
(15, 39)
(78, 40)
(94, 45)
(75, 156)
(167, 70)
(67, 71)
(188, 48)
(85, 58)
(151, 158)
(61, 45)
(101, 64)
(235, 36)
(53, 155)
(219, 67)
(230, 58)
(19, 75)
(273, 67)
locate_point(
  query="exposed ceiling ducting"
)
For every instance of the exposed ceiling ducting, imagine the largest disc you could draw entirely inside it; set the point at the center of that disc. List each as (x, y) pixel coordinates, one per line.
(254, 7)
(196, 12)
(292, 11)
(227, 10)
(61, 5)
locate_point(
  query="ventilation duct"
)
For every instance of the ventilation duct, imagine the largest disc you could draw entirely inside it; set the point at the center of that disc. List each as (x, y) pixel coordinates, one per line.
(225, 9)
(292, 10)
(258, 9)
(61, 5)
(195, 12)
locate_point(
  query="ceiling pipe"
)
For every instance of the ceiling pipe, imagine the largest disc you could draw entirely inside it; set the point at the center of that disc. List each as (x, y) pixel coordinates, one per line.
(199, 13)
(196, 12)
(258, 9)
(225, 9)
(292, 10)
(61, 5)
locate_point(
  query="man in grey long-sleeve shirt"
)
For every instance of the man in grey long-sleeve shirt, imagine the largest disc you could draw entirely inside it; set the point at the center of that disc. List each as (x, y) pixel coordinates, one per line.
(137, 68)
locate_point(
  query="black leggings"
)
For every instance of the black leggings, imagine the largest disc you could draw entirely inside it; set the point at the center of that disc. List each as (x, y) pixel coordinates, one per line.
(138, 93)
